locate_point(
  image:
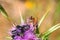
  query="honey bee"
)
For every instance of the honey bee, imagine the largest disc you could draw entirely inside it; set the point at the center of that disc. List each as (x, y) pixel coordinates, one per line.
(34, 22)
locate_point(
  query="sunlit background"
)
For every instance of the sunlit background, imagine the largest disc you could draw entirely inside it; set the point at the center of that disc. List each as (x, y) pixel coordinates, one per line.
(35, 8)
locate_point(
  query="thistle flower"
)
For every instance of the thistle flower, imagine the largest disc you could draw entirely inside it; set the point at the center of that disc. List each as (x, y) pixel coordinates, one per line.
(25, 31)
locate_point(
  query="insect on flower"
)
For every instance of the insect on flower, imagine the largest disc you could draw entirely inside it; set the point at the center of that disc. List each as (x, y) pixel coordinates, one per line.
(25, 31)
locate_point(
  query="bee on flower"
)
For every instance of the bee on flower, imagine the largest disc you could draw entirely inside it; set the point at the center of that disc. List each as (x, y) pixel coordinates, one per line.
(25, 31)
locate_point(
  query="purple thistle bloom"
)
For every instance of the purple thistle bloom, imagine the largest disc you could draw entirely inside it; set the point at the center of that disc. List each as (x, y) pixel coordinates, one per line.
(24, 32)
(30, 36)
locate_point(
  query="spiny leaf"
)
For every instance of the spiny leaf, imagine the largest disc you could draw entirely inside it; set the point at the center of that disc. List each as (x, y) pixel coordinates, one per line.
(9, 38)
(48, 32)
(3, 12)
(22, 20)
(43, 17)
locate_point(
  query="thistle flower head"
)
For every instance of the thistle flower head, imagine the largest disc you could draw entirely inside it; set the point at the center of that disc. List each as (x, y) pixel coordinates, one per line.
(24, 32)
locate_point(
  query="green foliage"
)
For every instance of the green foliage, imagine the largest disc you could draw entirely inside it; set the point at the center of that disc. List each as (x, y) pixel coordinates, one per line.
(3, 12)
(49, 31)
